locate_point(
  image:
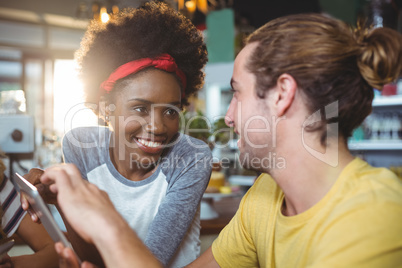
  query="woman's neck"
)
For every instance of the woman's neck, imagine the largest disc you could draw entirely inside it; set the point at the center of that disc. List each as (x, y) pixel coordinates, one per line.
(131, 170)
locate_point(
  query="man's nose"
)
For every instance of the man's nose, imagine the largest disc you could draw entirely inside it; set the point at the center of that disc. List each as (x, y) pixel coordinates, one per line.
(229, 118)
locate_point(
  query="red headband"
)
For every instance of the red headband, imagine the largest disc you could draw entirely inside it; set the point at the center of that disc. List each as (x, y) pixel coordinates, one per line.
(163, 62)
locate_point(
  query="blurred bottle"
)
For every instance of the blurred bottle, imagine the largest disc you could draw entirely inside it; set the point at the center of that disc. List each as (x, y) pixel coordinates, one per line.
(48, 149)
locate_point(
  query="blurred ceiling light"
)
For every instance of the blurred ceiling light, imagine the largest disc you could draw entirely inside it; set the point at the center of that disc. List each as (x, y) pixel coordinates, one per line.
(82, 11)
(103, 15)
(100, 10)
(191, 6)
(180, 4)
(115, 9)
(202, 6)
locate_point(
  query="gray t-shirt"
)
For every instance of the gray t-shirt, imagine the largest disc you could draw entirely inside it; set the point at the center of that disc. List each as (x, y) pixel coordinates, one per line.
(163, 209)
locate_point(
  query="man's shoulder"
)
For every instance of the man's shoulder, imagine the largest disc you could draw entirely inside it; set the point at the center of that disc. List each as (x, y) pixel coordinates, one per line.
(372, 184)
(264, 191)
(369, 202)
(369, 189)
(265, 183)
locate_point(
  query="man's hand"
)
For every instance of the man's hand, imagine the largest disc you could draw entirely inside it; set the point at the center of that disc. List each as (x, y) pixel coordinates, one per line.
(67, 258)
(87, 208)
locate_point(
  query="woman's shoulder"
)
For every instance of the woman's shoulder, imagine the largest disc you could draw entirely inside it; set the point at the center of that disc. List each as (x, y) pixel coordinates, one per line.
(87, 137)
(187, 145)
(190, 155)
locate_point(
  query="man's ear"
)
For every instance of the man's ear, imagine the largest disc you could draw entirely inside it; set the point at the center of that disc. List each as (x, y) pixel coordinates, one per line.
(286, 91)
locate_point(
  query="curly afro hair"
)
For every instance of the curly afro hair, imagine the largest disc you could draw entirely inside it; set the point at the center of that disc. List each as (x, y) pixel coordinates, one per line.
(145, 32)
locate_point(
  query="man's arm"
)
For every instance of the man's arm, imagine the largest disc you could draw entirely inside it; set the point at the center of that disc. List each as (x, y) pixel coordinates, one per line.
(85, 251)
(206, 260)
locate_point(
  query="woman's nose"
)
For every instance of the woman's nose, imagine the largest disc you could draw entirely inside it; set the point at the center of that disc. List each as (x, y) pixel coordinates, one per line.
(156, 125)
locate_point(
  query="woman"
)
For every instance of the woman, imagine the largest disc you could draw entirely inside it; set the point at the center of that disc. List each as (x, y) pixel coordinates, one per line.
(15, 220)
(141, 67)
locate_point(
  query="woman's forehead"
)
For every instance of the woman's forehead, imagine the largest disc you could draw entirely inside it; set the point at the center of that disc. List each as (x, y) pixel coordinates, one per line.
(153, 86)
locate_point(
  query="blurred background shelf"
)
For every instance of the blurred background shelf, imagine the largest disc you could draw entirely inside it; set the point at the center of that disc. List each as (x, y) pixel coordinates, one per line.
(375, 145)
(387, 101)
(242, 180)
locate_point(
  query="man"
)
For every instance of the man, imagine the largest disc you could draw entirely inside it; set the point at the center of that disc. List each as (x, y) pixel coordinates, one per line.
(319, 206)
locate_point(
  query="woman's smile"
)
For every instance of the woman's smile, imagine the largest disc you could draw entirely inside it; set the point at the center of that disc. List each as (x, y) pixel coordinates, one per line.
(149, 146)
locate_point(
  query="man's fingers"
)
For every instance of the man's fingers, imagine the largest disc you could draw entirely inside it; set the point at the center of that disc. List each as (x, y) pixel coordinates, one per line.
(71, 259)
(67, 258)
(88, 265)
(66, 175)
(57, 176)
(53, 188)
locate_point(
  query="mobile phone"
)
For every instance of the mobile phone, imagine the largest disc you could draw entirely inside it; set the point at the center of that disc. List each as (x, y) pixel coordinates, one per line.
(40, 208)
(5, 247)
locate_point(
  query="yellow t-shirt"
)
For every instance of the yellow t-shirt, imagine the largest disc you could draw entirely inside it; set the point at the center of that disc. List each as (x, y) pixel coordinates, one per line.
(357, 224)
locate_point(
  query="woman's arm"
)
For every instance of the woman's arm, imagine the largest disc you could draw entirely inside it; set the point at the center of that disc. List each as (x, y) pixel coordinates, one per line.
(188, 173)
(35, 236)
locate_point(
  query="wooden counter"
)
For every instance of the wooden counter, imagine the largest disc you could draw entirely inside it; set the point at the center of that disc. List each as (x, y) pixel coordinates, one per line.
(226, 208)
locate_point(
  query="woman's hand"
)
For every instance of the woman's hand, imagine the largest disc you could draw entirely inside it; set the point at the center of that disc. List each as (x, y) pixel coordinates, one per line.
(5, 262)
(34, 178)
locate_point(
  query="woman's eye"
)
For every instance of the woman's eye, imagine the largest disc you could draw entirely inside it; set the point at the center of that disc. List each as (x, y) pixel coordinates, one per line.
(171, 112)
(140, 109)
